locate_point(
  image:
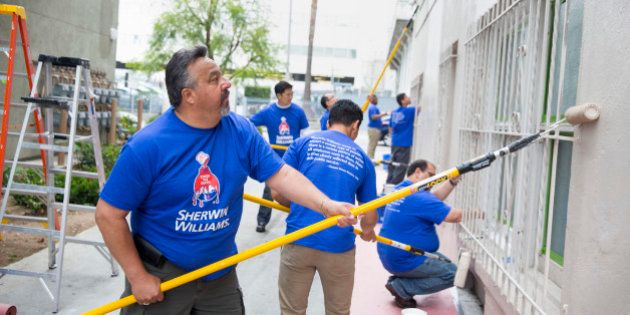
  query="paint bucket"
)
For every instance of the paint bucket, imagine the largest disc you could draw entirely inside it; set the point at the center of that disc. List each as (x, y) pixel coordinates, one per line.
(386, 157)
(412, 311)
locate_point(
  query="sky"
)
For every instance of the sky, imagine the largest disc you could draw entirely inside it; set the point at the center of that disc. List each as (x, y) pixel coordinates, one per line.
(363, 25)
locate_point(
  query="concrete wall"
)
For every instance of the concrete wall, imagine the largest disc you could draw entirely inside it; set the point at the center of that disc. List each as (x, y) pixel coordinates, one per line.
(76, 28)
(597, 248)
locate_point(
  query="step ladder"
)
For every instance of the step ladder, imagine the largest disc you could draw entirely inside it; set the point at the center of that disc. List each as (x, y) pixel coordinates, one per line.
(18, 22)
(56, 143)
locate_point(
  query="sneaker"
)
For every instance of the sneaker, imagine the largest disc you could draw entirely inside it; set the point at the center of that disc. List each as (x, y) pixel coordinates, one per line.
(260, 228)
(400, 301)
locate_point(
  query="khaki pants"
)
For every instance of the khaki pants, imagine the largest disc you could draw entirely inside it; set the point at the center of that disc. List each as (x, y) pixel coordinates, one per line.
(297, 269)
(373, 134)
(217, 297)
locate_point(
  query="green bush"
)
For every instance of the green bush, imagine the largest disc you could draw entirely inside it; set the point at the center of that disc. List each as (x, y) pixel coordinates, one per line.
(82, 191)
(36, 204)
(257, 91)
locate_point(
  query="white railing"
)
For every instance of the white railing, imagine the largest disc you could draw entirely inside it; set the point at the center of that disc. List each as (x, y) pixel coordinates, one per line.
(504, 98)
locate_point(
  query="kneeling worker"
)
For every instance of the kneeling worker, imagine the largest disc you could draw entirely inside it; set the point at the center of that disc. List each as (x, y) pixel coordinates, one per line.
(412, 221)
(338, 167)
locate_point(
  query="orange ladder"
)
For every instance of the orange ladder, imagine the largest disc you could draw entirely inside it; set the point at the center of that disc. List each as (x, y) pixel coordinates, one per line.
(18, 20)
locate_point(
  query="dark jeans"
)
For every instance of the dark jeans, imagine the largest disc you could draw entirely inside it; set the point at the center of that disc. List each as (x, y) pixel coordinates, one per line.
(431, 276)
(396, 174)
(264, 213)
(219, 296)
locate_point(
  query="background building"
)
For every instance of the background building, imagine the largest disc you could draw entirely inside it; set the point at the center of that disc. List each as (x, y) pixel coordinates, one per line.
(488, 72)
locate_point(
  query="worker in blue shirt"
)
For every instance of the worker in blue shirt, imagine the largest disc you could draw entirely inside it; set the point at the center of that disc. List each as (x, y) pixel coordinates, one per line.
(182, 179)
(375, 124)
(327, 101)
(341, 169)
(285, 121)
(411, 220)
(401, 128)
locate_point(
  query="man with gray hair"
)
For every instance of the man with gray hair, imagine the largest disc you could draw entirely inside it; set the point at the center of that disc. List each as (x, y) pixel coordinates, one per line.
(182, 178)
(327, 101)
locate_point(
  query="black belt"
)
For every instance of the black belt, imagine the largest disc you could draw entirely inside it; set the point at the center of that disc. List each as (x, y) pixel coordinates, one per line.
(148, 253)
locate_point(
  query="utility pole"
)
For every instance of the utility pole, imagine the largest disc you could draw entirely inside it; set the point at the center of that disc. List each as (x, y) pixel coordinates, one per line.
(288, 73)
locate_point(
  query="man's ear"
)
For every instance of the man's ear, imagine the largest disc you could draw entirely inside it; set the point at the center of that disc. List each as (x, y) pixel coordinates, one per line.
(188, 95)
(356, 124)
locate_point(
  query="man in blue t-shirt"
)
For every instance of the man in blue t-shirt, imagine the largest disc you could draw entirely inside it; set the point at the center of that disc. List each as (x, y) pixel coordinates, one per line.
(338, 167)
(182, 179)
(401, 129)
(374, 124)
(285, 121)
(327, 101)
(412, 221)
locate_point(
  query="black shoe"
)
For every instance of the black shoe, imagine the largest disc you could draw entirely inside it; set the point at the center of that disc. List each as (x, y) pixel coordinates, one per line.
(400, 301)
(260, 228)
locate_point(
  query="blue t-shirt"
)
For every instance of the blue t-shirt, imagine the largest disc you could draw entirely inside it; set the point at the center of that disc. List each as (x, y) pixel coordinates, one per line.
(374, 123)
(184, 185)
(341, 170)
(323, 122)
(401, 122)
(283, 125)
(411, 220)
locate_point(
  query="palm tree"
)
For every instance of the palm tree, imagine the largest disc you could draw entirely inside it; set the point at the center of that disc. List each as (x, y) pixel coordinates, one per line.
(306, 98)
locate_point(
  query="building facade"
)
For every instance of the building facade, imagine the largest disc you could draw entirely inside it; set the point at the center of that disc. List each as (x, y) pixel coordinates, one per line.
(489, 72)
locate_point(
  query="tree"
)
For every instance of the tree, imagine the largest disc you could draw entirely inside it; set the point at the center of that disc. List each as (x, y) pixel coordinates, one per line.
(234, 31)
(306, 99)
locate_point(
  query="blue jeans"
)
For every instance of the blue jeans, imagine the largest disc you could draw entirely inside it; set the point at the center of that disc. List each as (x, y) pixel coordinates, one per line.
(431, 276)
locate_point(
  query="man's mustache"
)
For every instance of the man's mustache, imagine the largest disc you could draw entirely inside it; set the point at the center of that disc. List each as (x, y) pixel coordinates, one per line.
(225, 94)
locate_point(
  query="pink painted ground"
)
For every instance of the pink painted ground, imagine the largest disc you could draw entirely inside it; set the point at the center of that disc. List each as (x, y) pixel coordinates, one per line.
(371, 297)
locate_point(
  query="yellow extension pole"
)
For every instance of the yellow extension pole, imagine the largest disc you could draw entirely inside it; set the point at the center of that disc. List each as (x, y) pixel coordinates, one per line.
(392, 54)
(279, 147)
(280, 241)
(265, 202)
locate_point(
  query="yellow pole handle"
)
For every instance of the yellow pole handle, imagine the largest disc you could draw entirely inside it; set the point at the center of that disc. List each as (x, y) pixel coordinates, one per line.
(279, 147)
(389, 60)
(280, 241)
(265, 202)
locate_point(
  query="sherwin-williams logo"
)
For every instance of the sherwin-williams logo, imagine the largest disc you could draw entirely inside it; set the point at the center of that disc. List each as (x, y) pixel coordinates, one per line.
(283, 128)
(206, 187)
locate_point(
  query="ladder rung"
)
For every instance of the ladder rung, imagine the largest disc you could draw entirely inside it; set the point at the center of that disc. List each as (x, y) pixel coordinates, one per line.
(73, 239)
(29, 229)
(24, 218)
(39, 146)
(75, 207)
(76, 173)
(65, 136)
(21, 74)
(28, 164)
(29, 134)
(4, 271)
(27, 189)
(53, 102)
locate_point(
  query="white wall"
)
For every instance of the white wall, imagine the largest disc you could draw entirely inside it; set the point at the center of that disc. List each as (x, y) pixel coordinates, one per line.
(597, 252)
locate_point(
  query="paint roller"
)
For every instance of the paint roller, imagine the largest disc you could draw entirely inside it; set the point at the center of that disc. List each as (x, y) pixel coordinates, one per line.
(575, 115)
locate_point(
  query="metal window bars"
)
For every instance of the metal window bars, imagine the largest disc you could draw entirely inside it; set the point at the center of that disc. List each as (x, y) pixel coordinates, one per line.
(505, 97)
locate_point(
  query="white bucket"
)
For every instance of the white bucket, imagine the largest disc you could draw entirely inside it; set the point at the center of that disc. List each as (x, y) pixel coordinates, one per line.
(412, 311)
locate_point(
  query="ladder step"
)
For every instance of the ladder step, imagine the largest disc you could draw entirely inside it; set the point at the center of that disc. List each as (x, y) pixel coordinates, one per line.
(27, 164)
(75, 207)
(59, 170)
(29, 134)
(29, 229)
(24, 218)
(4, 271)
(65, 136)
(53, 102)
(27, 189)
(39, 146)
(64, 61)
